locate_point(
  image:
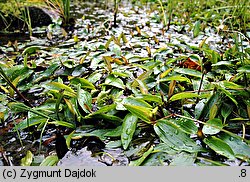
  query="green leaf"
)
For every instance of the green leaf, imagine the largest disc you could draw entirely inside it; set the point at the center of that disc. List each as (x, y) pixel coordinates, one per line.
(107, 117)
(186, 125)
(183, 159)
(210, 129)
(226, 63)
(183, 95)
(50, 161)
(189, 72)
(229, 95)
(60, 86)
(219, 146)
(114, 144)
(231, 85)
(244, 69)
(63, 123)
(240, 148)
(226, 110)
(139, 161)
(27, 160)
(114, 132)
(172, 136)
(213, 111)
(204, 112)
(128, 129)
(143, 113)
(136, 102)
(31, 50)
(84, 82)
(150, 98)
(113, 81)
(69, 137)
(84, 99)
(176, 78)
(31, 122)
(197, 28)
(105, 109)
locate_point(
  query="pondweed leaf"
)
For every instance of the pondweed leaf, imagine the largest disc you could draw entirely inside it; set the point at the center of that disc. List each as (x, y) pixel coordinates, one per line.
(84, 99)
(27, 160)
(32, 49)
(176, 78)
(183, 95)
(111, 80)
(183, 159)
(84, 82)
(219, 146)
(240, 149)
(190, 72)
(197, 28)
(143, 113)
(128, 129)
(51, 160)
(186, 125)
(136, 101)
(149, 98)
(60, 86)
(63, 123)
(175, 138)
(245, 69)
(139, 161)
(209, 129)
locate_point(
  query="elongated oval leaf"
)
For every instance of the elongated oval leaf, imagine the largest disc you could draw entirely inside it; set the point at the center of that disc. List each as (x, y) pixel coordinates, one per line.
(187, 71)
(209, 129)
(84, 82)
(186, 125)
(240, 148)
(176, 78)
(136, 102)
(50, 161)
(128, 129)
(219, 146)
(139, 161)
(197, 28)
(63, 123)
(183, 95)
(60, 86)
(115, 82)
(143, 113)
(84, 99)
(172, 136)
(150, 98)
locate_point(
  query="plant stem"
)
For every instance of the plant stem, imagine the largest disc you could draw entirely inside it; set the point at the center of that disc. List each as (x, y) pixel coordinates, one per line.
(4, 76)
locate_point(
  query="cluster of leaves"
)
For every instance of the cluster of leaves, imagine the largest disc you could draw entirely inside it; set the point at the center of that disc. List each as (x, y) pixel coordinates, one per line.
(233, 15)
(165, 102)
